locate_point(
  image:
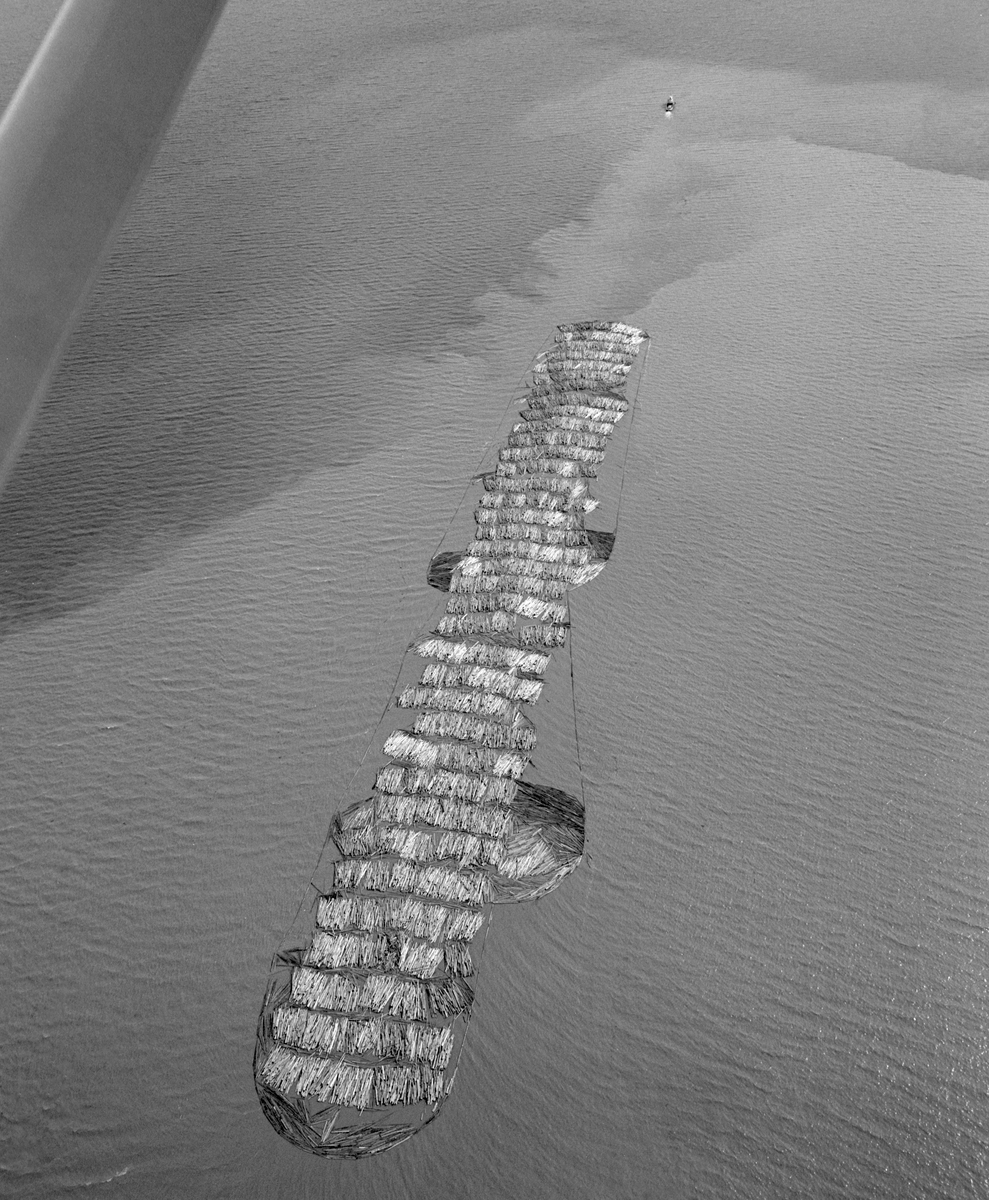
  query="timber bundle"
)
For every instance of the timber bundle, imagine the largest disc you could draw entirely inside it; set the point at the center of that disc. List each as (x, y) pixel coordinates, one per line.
(360, 1030)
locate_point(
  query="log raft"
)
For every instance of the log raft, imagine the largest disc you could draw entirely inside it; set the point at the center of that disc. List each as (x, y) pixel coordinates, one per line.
(360, 1030)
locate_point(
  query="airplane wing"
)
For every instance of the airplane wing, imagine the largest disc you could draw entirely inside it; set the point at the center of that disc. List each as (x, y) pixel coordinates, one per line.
(75, 143)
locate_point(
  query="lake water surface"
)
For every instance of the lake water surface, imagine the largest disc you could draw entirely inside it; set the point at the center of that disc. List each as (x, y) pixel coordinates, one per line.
(770, 977)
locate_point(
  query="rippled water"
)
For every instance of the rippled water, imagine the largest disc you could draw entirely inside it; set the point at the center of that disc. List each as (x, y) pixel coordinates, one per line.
(769, 979)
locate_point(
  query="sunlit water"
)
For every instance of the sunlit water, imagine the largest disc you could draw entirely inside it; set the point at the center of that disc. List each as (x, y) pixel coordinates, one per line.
(769, 979)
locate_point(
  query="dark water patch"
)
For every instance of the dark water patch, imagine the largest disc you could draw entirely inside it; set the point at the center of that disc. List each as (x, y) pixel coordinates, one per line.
(116, 476)
(280, 247)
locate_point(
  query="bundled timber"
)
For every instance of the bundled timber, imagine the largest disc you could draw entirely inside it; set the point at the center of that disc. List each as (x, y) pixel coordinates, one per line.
(487, 682)
(423, 752)
(465, 700)
(519, 514)
(587, 357)
(519, 735)
(468, 579)
(552, 636)
(502, 530)
(395, 1084)
(603, 329)
(567, 371)
(573, 490)
(498, 568)
(530, 585)
(557, 410)
(601, 400)
(432, 922)
(439, 882)
(484, 654)
(551, 434)
(506, 547)
(331, 1080)
(549, 421)
(542, 610)
(368, 1037)
(361, 1028)
(471, 624)
(420, 959)
(387, 995)
(489, 679)
(457, 959)
(512, 570)
(546, 455)
(534, 500)
(353, 950)
(416, 845)
(336, 1081)
(458, 785)
(544, 468)
(512, 531)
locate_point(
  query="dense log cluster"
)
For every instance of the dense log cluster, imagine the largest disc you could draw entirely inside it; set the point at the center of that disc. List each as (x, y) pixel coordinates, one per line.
(357, 1037)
